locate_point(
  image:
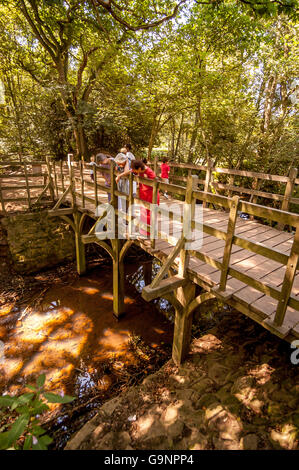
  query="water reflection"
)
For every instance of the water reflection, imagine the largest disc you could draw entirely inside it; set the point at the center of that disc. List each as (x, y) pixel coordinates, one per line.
(73, 332)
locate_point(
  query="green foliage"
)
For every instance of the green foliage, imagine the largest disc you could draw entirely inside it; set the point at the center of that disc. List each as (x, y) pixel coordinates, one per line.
(27, 409)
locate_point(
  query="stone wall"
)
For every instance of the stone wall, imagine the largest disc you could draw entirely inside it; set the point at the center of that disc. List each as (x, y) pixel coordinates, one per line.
(37, 241)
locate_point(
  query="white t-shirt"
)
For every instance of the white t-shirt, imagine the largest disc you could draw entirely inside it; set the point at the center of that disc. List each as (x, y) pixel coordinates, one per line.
(130, 156)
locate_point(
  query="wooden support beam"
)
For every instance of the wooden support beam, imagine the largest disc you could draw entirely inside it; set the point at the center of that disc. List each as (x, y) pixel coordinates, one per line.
(183, 324)
(1, 199)
(288, 281)
(118, 280)
(62, 175)
(51, 186)
(62, 198)
(43, 193)
(27, 185)
(169, 261)
(82, 183)
(200, 299)
(60, 212)
(233, 214)
(153, 215)
(208, 179)
(55, 179)
(80, 248)
(288, 193)
(165, 287)
(189, 211)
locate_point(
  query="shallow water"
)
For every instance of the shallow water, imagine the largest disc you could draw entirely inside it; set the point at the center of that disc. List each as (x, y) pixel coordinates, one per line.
(72, 334)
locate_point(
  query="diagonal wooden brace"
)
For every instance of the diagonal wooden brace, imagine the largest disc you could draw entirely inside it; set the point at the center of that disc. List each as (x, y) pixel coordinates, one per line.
(165, 287)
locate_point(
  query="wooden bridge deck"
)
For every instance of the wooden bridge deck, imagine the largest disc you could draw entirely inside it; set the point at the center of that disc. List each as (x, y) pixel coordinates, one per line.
(259, 277)
(245, 298)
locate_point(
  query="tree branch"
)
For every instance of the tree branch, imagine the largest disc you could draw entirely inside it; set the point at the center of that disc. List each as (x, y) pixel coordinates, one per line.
(107, 6)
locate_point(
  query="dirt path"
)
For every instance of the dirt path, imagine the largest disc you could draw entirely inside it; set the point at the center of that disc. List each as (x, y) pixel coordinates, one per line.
(237, 390)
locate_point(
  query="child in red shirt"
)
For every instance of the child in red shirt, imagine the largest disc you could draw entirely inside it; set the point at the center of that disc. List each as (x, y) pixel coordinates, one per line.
(165, 169)
(145, 191)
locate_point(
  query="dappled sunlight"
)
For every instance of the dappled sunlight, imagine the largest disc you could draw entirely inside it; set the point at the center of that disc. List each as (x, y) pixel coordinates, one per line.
(88, 290)
(71, 333)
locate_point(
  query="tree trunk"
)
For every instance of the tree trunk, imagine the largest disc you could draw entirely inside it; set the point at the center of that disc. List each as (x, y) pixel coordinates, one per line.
(179, 136)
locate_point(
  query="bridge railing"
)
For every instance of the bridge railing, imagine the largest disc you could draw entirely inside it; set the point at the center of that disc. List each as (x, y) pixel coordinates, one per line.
(279, 190)
(23, 182)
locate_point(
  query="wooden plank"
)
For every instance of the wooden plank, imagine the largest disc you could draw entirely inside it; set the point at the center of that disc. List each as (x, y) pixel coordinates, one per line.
(21, 175)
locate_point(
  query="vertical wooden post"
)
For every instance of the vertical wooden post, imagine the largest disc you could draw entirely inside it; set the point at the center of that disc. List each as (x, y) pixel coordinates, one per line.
(2, 198)
(113, 188)
(208, 179)
(118, 265)
(253, 197)
(131, 202)
(95, 175)
(231, 183)
(183, 324)
(72, 182)
(55, 179)
(80, 247)
(189, 209)
(62, 175)
(288, 193)
(27, 184)
(288, 281)
(118, 279)
(156, 165)
(51, 187)
(233, 214)
(82, 183)
(154, 212)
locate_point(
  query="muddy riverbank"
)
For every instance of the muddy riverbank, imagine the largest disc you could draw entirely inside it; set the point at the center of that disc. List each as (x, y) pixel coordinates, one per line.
(238, 390)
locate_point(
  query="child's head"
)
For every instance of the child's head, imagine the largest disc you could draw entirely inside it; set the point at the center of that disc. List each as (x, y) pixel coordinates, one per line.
(92, 158)
(137, 166)
(124, 150)
(165, 160)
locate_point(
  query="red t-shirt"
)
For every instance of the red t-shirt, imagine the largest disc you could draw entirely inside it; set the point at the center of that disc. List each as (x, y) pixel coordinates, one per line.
(165, 169)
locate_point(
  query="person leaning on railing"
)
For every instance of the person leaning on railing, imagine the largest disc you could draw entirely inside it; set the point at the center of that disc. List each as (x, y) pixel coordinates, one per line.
(145, 191)
(104, 161)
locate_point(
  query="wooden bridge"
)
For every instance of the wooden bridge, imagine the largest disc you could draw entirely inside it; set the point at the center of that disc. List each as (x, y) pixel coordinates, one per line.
(250, 264)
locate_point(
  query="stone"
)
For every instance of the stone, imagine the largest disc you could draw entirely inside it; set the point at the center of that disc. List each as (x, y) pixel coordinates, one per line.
(109, 407)
(203, 385)
(250, 442)
(287, 438)
(206, 400)
(175, 430)
(243, 388)
(37, 241)
(78, 439)
(225, 444)
(218, 373)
